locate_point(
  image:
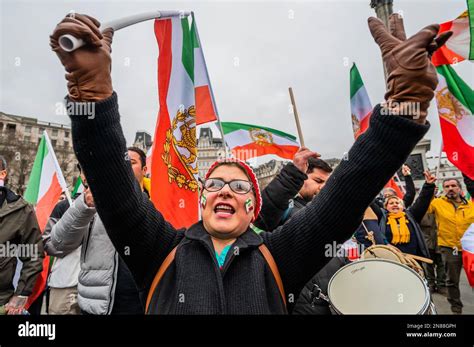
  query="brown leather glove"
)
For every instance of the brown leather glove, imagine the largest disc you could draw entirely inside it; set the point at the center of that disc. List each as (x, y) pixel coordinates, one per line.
(411, 75)
(88, 67)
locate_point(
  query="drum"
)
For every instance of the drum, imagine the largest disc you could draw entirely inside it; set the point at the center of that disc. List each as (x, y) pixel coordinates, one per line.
(392, 253)
(378, 286)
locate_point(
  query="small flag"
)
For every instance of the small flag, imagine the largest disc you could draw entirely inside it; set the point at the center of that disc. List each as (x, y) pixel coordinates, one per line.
(361, 108)
(392, 184)
(46, 182)
(45, 185)
(249, 141)
(78, 187)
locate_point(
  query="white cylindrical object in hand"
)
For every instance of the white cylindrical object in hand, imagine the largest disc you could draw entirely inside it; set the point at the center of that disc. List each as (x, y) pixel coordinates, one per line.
(70, 43)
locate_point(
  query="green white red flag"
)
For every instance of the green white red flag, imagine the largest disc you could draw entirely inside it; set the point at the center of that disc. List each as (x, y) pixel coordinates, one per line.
(248, 141)
(206, 110)
(46, 182)
(460, 45)
(361, 108)
(455, 101)
(78, 187)
(174, 187)
(45, 185)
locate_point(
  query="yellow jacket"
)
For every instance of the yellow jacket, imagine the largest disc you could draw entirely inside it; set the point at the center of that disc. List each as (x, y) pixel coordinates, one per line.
(147, 185)
(452, 222)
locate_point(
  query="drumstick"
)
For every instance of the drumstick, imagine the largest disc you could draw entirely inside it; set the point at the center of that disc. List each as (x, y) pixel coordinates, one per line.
(417, 257)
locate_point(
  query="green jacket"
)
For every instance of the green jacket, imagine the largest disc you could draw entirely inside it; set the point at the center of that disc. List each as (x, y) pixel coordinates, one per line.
(20, 237)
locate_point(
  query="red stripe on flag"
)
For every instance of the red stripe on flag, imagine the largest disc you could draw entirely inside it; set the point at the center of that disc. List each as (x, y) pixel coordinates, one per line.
(459, 153)
(443, 55)
(46, 204)
(43, 210)
(353, 254)
(205, 112)
(163, 32)
(363, 125)
(468, 263)
(253, 150)
(41, 281)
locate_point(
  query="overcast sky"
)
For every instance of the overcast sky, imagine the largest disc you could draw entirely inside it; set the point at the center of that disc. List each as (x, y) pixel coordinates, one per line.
(254, 52)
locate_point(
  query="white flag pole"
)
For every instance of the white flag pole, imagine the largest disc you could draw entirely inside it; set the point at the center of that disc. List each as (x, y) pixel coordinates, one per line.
(70, 43)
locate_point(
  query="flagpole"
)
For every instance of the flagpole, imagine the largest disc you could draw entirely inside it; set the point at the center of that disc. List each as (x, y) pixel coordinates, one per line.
(439, 159)
(297, 119)
(70, 43)
(210, 87)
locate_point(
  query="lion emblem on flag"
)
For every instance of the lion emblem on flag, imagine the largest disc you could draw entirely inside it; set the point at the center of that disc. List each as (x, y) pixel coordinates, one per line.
(261, 137)
(181, 138)
(449, 107)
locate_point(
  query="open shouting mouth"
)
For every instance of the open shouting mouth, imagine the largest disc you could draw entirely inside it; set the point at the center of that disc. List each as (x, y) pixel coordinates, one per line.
(224, 210)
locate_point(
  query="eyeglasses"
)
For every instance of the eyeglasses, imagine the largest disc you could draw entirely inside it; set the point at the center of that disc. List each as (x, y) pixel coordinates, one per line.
(237, 186)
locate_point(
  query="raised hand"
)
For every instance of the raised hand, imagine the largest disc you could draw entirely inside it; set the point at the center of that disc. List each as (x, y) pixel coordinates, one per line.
(88, 67)
(406, 171)
(411, 77)
(300, 159)
(429, 178)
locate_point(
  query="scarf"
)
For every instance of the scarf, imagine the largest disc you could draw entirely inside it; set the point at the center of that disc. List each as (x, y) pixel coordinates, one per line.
(400, 231)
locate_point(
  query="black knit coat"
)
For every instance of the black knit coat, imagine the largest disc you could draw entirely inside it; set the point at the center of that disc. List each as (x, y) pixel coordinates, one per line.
(194, 284)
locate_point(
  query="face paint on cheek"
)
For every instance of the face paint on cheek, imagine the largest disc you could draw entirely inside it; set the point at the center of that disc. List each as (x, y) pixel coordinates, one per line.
(203, 201)
(248, 205)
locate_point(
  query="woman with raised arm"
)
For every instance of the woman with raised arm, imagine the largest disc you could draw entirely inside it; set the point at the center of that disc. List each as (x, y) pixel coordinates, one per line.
(219, 265)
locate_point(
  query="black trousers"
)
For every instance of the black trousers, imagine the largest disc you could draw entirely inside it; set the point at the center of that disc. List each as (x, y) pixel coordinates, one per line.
(453, 262)
(435, 273)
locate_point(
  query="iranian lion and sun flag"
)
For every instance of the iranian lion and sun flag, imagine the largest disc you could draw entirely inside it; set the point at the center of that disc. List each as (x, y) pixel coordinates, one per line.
(454, 97)
(455, 101)
(186, 99)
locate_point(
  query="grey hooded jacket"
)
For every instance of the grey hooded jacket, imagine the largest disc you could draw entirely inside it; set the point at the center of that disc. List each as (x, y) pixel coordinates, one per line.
(81, 225)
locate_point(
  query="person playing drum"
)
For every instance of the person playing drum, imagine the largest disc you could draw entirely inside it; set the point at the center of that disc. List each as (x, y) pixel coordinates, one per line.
(401, 226)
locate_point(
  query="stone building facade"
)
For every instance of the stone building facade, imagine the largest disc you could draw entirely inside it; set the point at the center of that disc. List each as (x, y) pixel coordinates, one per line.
(19, 140)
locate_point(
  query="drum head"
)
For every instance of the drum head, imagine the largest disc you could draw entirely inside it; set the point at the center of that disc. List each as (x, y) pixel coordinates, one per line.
(378, 286)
